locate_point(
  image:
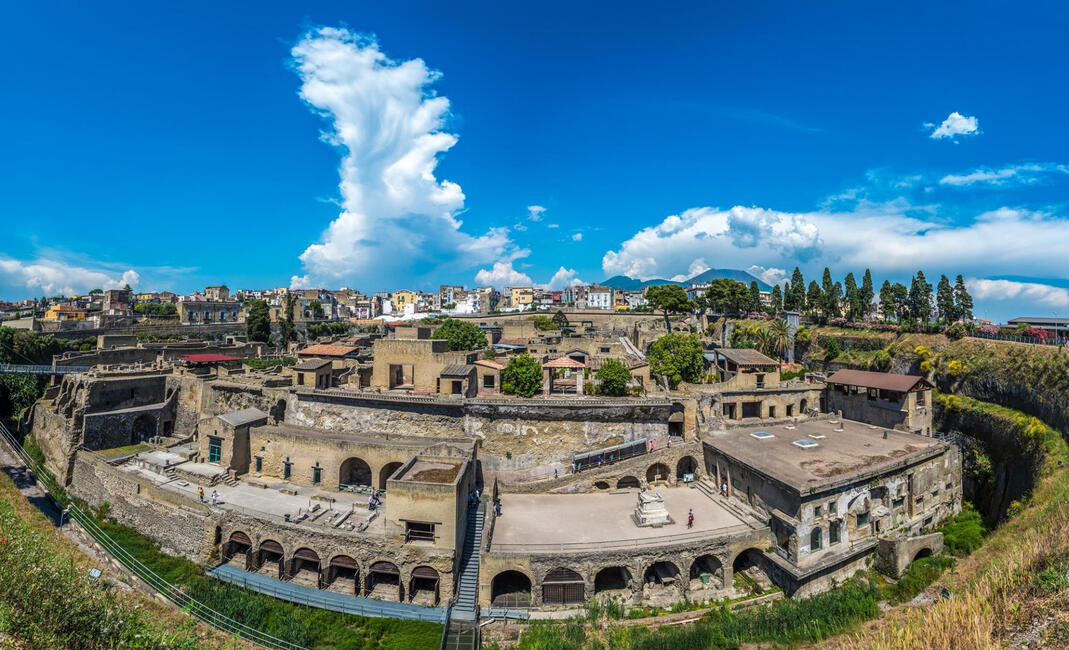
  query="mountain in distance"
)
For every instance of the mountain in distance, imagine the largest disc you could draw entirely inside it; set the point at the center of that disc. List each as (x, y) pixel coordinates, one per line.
(626, 283)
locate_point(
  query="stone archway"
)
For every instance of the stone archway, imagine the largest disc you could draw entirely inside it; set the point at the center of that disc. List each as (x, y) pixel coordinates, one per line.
(563, 586)
(384, 582)
(510, 589)
(304, 568)
(423, 588)
(355, 472)
(614, 581)
(802, 406)
(269, 558)
(236, 550)
(921, 554)
(686, 465)
(343, 575)
(706, 572)
(661, 582)
(143, 428)
(750, 572)
(386, 472)
(657, 472)
(627, 482)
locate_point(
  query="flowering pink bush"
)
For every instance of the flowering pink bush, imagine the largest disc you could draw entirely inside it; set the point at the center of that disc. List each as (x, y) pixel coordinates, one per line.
(990, 330)
(1035, 333)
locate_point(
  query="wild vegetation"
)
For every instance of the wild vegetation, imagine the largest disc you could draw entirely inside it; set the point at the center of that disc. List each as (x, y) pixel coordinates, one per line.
(461, 335)
(47, 600)
(262, 364)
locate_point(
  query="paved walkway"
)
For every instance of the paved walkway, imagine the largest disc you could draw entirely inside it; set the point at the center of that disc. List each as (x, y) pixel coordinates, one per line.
(313, 597)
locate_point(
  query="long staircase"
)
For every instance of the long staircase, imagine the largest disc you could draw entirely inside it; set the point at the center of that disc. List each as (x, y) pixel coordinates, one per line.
(462, 629)
(709, 489)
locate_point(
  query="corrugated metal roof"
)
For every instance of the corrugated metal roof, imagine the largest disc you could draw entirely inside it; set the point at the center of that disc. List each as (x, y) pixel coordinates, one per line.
(312, 364)
(457, 370)
(880, 380)
(745, 357)
(242, 417)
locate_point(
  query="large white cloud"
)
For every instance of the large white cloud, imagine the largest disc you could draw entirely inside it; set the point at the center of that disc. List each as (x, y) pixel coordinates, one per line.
(889, 238)
(956, 125)
(1034, 292)
(397, 218)
(563, 278)
(501, 274)
(53, 277)
(1026, 174)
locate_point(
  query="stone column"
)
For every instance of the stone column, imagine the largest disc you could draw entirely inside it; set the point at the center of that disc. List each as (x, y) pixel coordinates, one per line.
(547, 380)
(580, 380)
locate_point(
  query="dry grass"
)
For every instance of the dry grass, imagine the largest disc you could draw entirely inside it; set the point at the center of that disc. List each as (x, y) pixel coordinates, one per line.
(993, 590)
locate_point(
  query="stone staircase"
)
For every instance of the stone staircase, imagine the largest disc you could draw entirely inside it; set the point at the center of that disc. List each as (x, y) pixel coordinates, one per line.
(466, 606)
(709, 489)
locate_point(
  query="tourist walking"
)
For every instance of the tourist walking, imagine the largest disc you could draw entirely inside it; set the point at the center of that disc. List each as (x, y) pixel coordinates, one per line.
(554, 472)
(200, 493)
(215, 497)
(690, 518)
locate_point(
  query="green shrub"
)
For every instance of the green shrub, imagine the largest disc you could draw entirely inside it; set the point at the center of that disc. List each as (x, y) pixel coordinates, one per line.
(917, 577)
(956, 332)
(831, 349)
(964, 533)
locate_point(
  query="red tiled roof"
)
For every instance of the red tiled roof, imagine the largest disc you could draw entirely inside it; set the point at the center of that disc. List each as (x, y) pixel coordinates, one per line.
(564, 362)
(207, 358)
(324, 350)
(513, 341)
(486, 363)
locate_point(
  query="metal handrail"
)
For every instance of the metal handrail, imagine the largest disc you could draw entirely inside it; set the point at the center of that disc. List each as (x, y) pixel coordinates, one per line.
(565, 547)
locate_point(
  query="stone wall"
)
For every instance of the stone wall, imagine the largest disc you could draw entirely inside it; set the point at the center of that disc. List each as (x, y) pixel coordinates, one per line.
(176, 523)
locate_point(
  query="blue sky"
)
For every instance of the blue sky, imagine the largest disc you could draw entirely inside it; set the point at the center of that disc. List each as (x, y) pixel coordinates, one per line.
(270, 145)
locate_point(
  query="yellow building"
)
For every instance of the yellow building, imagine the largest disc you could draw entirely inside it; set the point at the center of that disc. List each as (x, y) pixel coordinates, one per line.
(522, 296)
(404, 298)
(64, 313)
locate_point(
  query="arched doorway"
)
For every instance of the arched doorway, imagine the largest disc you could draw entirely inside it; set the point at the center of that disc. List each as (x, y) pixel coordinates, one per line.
(343, 575)
(686, 465)
(923, 553)
(386, 472)
(613, 580)
(269, 558)
(627, 482)
(675, 421)
(750, 571)
(802, 406)
(423, 588)
(510, 589)
(706, 572)
(601, 485)
(657, 472)
(354, 472)
(384, 582)
(563, 586)
(144, 427)
(304, 568)
(661, 579)
(236, 550)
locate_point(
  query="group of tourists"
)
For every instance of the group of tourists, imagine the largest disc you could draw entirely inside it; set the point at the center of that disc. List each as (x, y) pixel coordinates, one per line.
(374, 500)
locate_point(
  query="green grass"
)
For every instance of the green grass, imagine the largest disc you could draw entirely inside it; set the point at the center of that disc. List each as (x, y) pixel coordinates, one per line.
(307, 626)
(128, 450)
(964, 533)
(46, 600)
(916, 579)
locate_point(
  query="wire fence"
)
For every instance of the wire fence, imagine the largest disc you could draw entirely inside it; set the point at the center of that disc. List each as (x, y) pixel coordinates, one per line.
(1054, 340)
(173, 593)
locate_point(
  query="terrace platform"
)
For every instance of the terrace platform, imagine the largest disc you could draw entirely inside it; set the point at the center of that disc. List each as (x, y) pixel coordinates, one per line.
(539, 523)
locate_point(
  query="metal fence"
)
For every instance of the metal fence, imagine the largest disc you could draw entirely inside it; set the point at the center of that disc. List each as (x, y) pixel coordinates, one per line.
(171, 592)
(1020, 339)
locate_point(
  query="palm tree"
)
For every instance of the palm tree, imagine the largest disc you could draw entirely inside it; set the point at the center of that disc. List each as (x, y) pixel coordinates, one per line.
(780, 335)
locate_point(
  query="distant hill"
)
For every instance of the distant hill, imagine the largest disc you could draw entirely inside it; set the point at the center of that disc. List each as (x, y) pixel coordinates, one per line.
(633, 284)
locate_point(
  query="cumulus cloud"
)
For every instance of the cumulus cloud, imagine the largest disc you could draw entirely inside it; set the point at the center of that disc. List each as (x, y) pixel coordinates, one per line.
(1044, 294)
(1011, 175)
(386, 120)
(501, 274)
(769, 275)
(552, 225)
(891, 238)
(53, 277)
(563, 278)
(535, 212)
(956, 125)
(577, 236)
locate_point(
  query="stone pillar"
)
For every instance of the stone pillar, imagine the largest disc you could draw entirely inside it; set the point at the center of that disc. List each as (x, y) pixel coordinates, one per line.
(547, 380)
(580, 380)
(729, 573)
